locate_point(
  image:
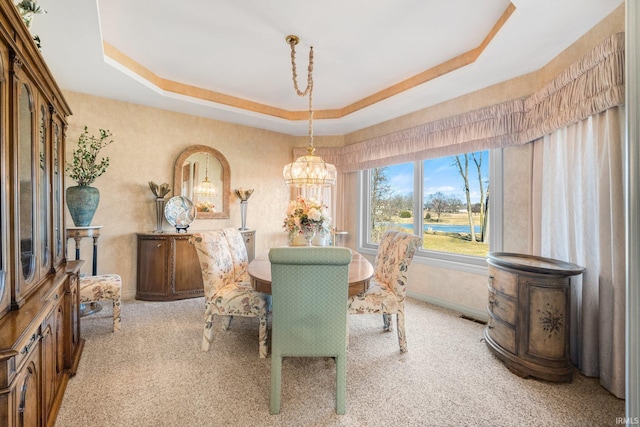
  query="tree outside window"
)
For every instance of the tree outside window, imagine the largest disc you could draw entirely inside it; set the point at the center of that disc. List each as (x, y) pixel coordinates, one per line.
(391, 199)
(453, 208)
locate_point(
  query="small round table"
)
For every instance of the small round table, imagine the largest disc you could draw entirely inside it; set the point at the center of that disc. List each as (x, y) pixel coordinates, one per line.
(77, 234)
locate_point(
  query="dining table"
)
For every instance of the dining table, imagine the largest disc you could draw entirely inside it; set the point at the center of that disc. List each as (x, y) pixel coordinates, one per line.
(360, 272)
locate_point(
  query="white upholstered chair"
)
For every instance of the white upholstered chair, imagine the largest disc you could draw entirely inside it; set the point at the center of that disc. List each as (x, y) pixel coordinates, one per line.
(103, 287)
(227, 290)
(388, 287)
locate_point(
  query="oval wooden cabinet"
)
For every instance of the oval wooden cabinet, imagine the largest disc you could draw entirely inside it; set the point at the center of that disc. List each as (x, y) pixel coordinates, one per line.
(529, 312)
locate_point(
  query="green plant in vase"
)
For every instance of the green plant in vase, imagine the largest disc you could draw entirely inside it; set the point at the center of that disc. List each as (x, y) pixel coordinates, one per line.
(28, 9)
(84, 168)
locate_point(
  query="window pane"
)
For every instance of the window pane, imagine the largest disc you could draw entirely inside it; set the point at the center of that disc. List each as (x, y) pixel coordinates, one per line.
(391, 200)
(455, 196)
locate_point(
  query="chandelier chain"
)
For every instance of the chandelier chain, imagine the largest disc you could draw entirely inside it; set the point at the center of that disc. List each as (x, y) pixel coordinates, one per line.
(309, 87)
(308, 171)
(308, 91)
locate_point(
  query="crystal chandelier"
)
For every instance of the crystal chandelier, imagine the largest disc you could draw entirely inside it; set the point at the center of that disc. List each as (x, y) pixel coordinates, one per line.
(206, 187)
(309, 170)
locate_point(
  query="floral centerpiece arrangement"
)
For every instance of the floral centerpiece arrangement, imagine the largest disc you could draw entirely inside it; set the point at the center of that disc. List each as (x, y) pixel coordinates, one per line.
(205, 206)
(306, 217)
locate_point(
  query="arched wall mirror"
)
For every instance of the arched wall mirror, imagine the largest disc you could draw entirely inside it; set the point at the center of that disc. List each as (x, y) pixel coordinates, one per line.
(202, 174)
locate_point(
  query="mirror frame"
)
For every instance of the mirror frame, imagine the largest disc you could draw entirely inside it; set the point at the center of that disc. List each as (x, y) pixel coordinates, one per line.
(226, 178)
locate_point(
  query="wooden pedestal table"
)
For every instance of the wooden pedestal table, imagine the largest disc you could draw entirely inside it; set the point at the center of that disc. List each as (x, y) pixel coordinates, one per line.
(77, 234)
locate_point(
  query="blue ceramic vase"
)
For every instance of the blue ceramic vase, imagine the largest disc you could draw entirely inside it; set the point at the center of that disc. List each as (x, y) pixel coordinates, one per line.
(82, 201)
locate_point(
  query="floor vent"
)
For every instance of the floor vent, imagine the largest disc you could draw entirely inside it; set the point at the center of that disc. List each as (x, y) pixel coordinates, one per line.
(482, 322)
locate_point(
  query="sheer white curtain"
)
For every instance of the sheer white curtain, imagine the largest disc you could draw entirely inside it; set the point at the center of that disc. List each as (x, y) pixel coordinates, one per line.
(579, 217)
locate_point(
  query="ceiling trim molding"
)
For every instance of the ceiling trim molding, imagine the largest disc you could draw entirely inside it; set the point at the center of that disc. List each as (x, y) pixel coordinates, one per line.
(446, 67)
(193, 91)
(432, 73)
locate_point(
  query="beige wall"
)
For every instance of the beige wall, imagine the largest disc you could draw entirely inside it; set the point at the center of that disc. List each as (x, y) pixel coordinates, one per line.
(148, 140)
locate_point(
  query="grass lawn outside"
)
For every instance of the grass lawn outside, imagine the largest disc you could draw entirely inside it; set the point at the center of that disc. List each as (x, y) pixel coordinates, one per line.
(458, 243)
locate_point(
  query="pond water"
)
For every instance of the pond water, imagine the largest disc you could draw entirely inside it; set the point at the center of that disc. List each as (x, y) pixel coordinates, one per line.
(439, 227)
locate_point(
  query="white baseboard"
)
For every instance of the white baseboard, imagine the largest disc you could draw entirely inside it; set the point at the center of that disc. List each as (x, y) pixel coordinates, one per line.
(467, 311)
(128, 295)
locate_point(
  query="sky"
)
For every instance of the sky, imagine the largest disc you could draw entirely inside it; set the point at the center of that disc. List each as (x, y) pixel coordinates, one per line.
(440, 174)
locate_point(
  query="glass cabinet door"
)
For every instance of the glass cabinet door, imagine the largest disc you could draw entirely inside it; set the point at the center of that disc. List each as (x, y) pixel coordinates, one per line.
(26, 190)
(39, 167)
(5, 294)
(43, 206)
(56, 194)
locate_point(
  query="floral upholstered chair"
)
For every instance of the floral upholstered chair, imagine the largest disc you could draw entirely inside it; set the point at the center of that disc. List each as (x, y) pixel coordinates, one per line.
(103, 287)
(238, 254)
(388, 287)
(224, 294)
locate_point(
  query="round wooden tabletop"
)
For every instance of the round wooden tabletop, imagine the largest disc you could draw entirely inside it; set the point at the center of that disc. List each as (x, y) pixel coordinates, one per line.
(360, 271)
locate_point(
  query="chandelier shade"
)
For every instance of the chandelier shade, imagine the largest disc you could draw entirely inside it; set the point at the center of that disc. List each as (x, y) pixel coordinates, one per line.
(206, 187)
(309, 170)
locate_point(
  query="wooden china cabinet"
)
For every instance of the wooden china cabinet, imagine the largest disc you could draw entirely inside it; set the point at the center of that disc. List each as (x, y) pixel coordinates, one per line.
(40, 343)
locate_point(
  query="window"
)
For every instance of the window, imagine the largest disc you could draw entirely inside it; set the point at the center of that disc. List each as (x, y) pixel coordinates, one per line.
(391, 198)
(446, 198)
(455, 204)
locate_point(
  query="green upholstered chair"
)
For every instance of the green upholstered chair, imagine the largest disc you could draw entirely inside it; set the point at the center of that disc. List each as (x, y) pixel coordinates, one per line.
(309, 288)
(388, 287)
(227, 289)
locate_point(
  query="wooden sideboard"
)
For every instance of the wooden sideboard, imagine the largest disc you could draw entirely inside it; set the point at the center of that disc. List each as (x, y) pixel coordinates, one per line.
(529, 313)
(168, 266)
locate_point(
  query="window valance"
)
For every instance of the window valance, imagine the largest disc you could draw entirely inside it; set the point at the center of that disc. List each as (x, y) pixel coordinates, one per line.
(589, 86)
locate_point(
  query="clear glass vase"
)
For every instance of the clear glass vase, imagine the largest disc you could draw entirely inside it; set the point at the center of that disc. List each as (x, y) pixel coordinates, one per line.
(243, 214)
(159, 214)
(309, 234)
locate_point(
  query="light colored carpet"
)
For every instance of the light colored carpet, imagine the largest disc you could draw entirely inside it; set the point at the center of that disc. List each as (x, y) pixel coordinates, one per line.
(153, 373)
